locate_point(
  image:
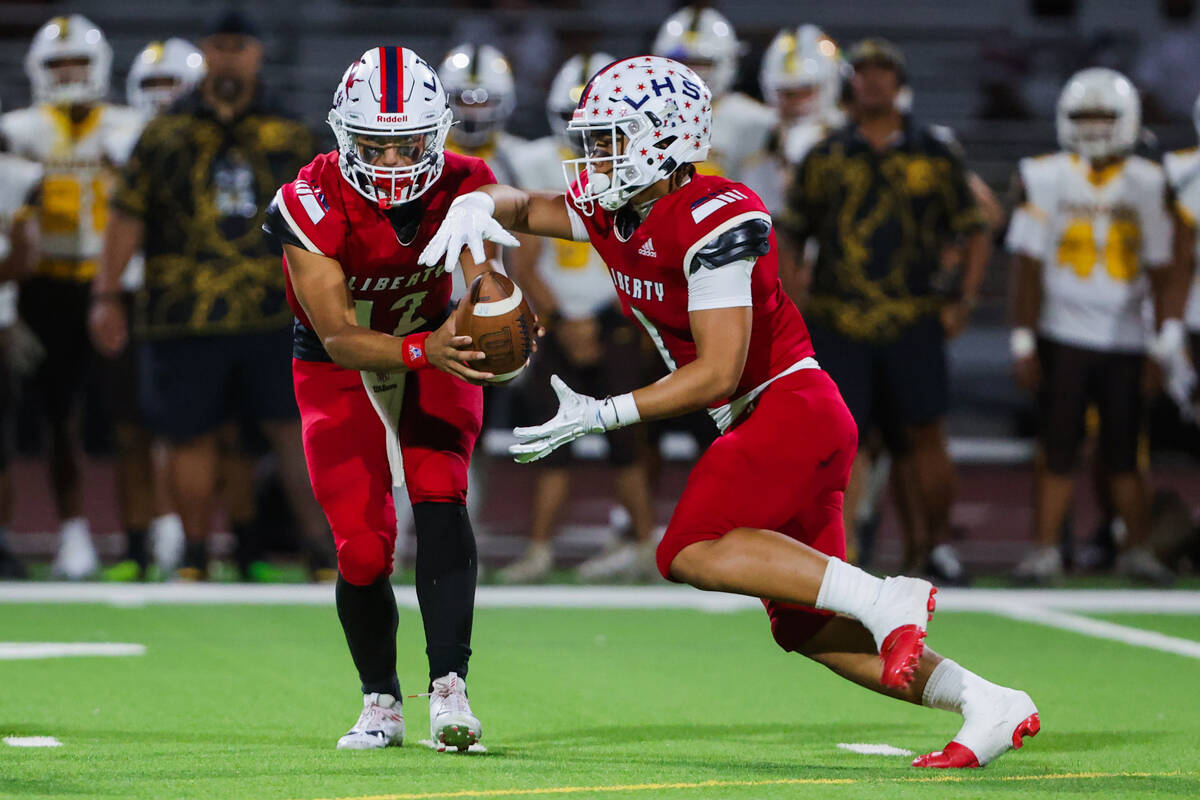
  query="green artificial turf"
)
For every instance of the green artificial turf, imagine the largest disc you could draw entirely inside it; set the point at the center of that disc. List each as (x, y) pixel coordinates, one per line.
(247, 702)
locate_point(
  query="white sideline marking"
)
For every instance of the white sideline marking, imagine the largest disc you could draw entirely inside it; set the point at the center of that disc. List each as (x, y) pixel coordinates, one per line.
(32, 741)
(874, 749)
(665, 596)
(1102, 629)
(19, 651)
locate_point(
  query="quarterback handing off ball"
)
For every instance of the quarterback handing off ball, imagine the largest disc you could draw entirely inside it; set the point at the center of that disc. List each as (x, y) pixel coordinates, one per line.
(497, 317)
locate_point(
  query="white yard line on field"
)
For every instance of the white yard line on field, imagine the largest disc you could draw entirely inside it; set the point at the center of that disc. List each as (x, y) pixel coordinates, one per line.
(32, 741)
(1101, 629)
(20, 651)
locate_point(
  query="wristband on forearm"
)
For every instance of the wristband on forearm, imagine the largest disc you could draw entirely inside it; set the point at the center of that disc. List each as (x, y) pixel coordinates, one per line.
(413, 351)
(619, 411)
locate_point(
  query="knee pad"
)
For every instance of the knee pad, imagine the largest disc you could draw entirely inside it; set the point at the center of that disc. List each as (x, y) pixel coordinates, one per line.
(364, 559)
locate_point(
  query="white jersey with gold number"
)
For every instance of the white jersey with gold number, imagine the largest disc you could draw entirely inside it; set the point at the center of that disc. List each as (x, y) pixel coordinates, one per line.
(769, 171)
(742, 127)
(18, 177)
(573, 271)
(79, 160)
(1096, 233)
(1183, 171)
(500, 153)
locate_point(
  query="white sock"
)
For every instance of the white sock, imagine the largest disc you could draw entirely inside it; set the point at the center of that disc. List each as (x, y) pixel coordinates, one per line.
(848, 590)
(944, 689)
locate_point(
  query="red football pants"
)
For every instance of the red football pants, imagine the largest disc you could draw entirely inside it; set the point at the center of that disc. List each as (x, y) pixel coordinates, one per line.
(345, 447)
(784, 468)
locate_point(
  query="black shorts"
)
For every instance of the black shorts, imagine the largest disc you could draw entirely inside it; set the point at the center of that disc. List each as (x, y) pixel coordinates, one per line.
(57, 313)
(1073, 378)
(192, 385)
(618, 371)
(889, 386)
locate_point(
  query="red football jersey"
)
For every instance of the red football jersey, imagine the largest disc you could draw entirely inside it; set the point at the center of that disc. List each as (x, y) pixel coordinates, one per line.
(650, 271)
(392, 293)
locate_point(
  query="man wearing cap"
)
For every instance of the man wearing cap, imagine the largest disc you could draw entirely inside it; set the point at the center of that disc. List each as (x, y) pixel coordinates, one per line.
(883, 198)
(212, 319)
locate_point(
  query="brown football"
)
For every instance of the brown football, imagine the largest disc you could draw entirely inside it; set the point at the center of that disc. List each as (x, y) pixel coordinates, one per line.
(497, 317)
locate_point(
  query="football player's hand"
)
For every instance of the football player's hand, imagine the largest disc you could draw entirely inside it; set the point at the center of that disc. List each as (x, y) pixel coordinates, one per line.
(1028, 372)
(108, 326)
(467, 224)
(451, 353)
(578, 414)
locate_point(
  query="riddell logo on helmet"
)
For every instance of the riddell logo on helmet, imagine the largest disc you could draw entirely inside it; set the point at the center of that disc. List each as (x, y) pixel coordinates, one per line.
(391, 117)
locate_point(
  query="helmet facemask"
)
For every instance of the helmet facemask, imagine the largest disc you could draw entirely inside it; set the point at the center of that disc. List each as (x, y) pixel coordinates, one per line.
(419, 151)
(478, 116)
(69, 79)
(617, 161)
(1094, 133)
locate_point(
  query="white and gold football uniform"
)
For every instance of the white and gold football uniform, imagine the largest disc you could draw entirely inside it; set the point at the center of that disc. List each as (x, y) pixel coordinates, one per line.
(1183, 172)
(79, 161)
(742, 126)
(19, 177)
(1096, 232)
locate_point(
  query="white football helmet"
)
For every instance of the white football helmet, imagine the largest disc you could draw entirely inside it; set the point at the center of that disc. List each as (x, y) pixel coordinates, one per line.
(703, 39)
(62, 39)
(1099, 114)
(639, 119)
(390, 99)
(803, 59)
(479, 86)
(566, 89)
(162, 72)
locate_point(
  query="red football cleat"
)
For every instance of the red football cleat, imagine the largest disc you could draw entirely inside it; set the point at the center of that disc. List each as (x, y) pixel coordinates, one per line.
(959, 756)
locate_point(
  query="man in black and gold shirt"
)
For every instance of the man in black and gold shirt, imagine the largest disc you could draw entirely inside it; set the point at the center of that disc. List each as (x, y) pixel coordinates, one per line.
(212, 320)
(883, 200)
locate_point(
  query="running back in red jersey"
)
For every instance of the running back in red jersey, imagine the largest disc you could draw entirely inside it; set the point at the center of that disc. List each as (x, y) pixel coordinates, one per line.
(653, 261)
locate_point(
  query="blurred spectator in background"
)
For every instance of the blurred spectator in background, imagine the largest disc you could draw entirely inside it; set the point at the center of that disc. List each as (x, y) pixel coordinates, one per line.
(18, 257)
(1092, 234)
(215, 324)
(161, 72)
(588, 343)
(80, 139)
(883, 198)
(1168, 67)
(703, 38)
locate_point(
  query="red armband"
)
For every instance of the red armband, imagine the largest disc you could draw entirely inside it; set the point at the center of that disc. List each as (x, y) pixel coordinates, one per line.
(414, 351)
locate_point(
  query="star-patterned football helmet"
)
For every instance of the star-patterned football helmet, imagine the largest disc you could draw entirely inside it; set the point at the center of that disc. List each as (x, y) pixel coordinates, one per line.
(639, 119)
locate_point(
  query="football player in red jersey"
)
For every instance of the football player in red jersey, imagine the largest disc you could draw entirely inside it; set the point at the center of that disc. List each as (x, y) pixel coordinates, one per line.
(383, 384)
(694, 261)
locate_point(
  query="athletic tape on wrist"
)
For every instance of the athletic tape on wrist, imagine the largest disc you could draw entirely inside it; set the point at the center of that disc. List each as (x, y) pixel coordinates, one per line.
(413, 351)
(619, 411)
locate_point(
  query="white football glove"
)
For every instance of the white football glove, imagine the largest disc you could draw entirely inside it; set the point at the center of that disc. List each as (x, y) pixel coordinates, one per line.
(1169, 349)
(578, 415)
(467, 224)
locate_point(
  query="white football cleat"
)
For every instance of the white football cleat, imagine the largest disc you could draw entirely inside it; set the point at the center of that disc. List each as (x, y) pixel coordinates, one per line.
(897, 620)
(1042, 565)
(995, 720)
(451, 723)
(76, 558)
(381, 724)
(632, 561)
(531, 567)
(167, 542)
